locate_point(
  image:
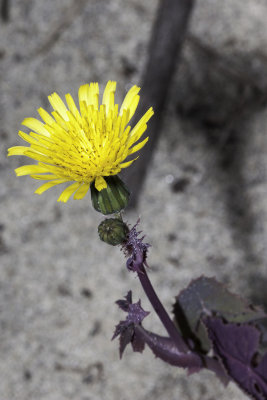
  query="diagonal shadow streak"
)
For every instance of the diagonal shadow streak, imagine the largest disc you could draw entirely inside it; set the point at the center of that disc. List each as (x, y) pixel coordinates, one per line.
(222, 99)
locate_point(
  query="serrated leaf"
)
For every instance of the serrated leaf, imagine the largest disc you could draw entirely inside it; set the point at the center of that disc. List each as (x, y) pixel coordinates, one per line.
(237, 347)
(205, 296)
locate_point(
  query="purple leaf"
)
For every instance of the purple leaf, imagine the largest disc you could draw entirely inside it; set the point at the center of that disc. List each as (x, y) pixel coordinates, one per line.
(126, 338)
(124, 304)
(262, 367)
(237, 347)
(126, 329)
(138, 343)
(136, 313)
(205, 297)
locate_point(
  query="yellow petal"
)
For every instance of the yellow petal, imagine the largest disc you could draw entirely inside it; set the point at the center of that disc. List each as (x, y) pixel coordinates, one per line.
(37, 156)
(72, 107)
(65, 195)
(124, 121)
(30, 169)
(41, 139)
(61, 122)
(131, 101)
(83, 93)
(57, 132)
(108, 96)
(17, 151)
(100, 183)
(89, 94)
(53, 169)
(137, 147)
(44, 177)
(58, 105)
(133, 106)
(139, 128)
(128, 163)
(40, 148)
(27, 138)
(48, 185)
(142, 121)
(93, 95)
(45, 116)
(83, 108)
(81, 192)
(35, 125)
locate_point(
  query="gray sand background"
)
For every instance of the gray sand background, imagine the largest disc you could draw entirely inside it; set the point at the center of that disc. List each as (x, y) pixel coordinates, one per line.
(58, 282)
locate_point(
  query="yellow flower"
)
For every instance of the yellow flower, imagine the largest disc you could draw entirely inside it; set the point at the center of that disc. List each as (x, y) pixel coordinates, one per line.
(82, 146)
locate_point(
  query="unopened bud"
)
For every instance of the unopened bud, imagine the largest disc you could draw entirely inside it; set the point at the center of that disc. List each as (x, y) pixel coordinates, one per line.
(113, 231)
(112, 199)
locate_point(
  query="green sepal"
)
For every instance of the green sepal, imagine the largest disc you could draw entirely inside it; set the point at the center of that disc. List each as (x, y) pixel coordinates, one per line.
(112, 199)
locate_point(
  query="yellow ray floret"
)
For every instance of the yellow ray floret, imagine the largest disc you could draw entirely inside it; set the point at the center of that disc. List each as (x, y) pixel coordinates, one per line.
(82, 146)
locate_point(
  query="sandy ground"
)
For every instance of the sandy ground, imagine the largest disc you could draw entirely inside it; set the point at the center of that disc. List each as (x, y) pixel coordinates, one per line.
(58, 282)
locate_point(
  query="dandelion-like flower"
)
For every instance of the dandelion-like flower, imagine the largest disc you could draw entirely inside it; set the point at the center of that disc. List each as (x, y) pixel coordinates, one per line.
(82, 146)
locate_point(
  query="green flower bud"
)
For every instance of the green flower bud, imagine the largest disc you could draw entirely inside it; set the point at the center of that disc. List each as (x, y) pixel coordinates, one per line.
(112, 199)
(113, 231)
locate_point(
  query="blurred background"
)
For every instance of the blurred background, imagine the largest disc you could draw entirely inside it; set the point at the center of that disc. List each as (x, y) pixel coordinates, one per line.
(202, 205)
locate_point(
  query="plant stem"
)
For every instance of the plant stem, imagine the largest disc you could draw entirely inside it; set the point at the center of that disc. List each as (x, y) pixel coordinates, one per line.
(165, 349)
(160, 310)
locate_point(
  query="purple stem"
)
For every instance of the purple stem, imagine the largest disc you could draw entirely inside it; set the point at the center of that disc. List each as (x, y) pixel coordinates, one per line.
(160, 310)
(166, 350)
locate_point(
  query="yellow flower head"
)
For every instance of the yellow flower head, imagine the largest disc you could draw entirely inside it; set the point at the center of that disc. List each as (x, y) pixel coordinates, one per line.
(82, 146)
